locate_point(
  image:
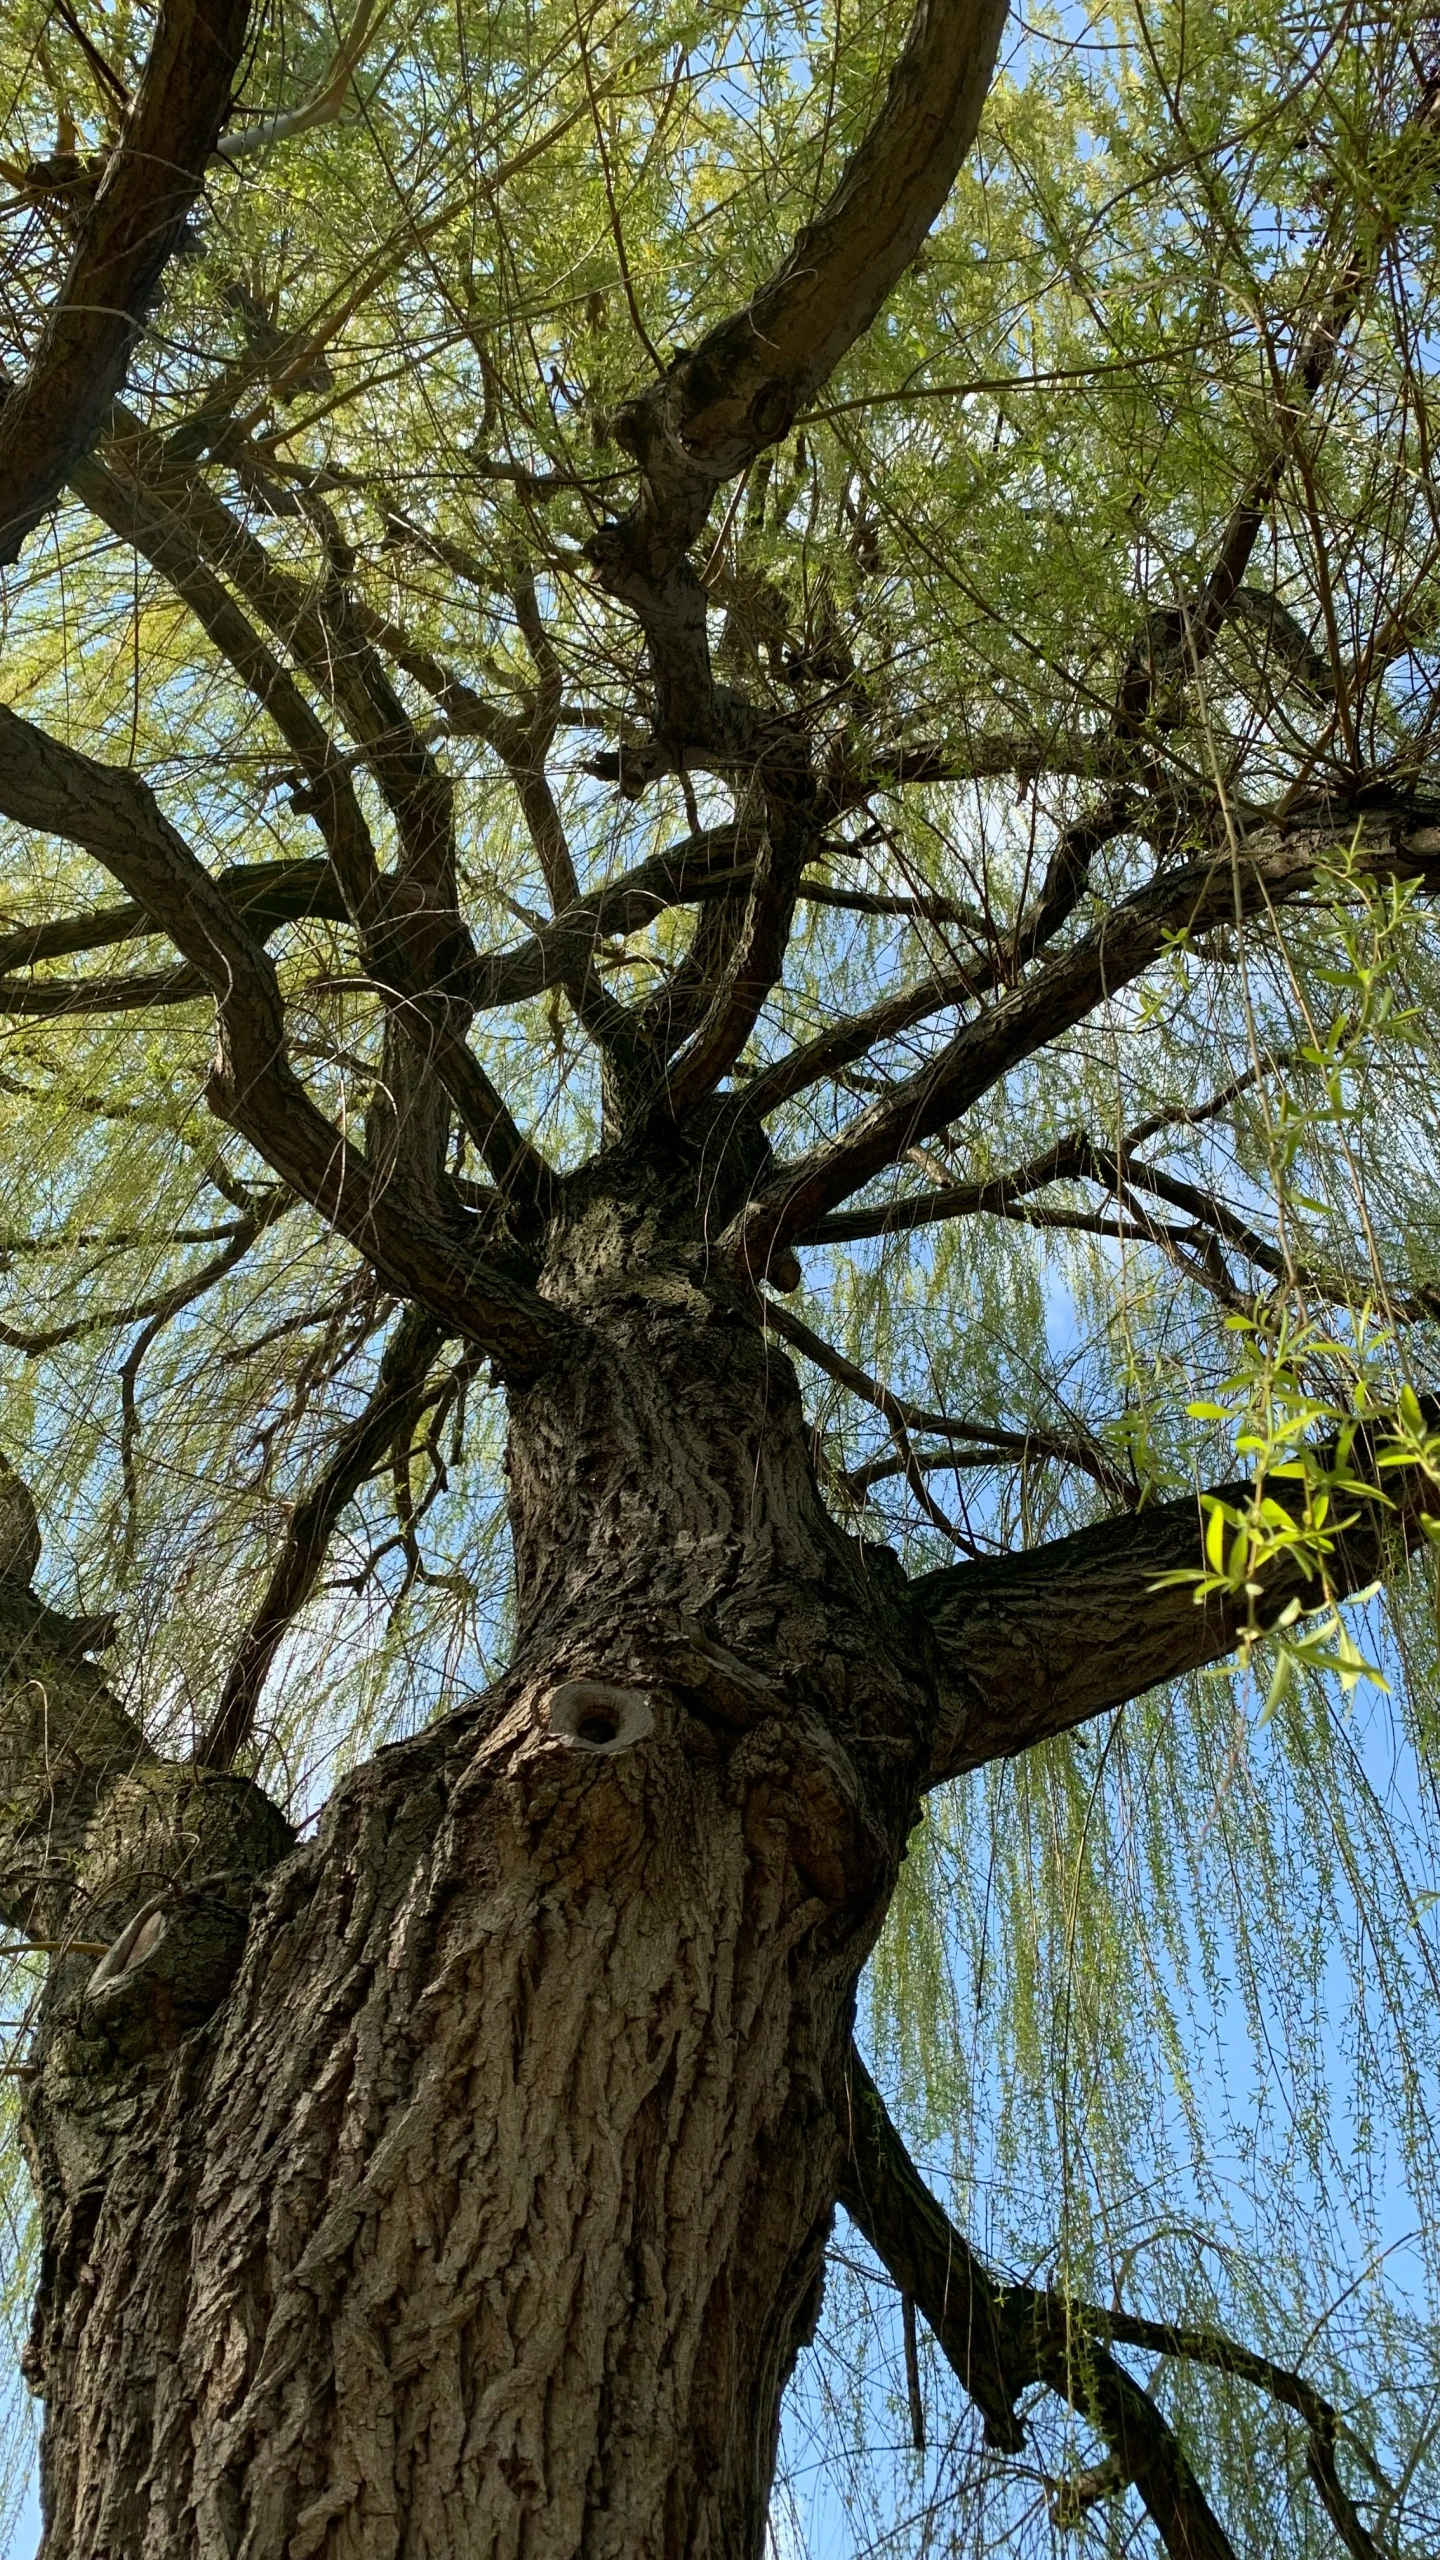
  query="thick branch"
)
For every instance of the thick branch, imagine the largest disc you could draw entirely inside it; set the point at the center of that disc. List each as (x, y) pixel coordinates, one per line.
(152, 179)
(700, 866)
(271, 894)
(1030, 1645)
(55, 999)
(266, 894)
(739, 390)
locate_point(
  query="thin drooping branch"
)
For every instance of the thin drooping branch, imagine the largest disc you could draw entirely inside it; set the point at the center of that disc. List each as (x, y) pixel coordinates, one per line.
(1213, 1221)
(127, 235)
(1033, 1644)
(114, 488)
(1179, 640)
(1001, 2339)
(158, 1308)
(412, 939)
(361, 1450)
(831, 1052)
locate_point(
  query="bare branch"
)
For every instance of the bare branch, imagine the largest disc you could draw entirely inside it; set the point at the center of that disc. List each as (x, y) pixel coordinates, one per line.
(754, 963)
(54, 999)
(872, 902)
(1264, 870)
(266, 894)
(739, 390)
(327, 105)
(900, 1414)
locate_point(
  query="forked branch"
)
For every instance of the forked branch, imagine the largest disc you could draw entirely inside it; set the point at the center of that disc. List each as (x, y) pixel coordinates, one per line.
(113, 815)
(739, 389)
(1262, 873)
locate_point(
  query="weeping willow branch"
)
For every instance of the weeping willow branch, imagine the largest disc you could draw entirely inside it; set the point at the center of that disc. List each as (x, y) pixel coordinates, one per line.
(129, 231)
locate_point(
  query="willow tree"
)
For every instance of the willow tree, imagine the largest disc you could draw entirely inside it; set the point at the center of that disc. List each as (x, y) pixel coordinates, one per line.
(657, 659)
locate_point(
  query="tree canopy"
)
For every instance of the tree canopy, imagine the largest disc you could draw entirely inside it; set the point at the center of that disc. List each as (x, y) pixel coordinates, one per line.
(494, 627)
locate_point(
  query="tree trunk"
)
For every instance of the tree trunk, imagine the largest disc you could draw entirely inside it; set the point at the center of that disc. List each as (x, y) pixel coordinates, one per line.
(485, 2214)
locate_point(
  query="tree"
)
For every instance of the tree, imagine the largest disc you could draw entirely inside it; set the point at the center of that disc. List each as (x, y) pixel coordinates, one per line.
(695, 686)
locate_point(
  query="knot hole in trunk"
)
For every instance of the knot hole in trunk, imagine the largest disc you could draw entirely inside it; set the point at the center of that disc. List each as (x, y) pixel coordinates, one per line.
(593, 1715)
